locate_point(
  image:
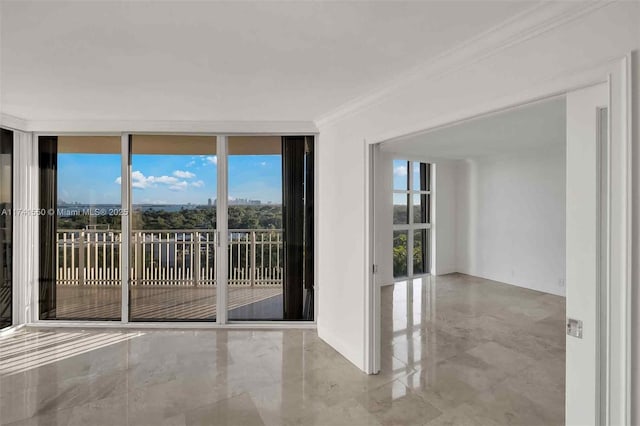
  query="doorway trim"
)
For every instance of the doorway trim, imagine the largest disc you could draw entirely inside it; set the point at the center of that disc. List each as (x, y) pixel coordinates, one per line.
(617, 241)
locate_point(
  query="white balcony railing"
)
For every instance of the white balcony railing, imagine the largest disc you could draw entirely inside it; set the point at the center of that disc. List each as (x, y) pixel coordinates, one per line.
(169, 257)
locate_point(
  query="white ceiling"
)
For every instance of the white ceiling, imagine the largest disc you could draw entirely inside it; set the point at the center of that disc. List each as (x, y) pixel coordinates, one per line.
(180, 60)
(532, 128)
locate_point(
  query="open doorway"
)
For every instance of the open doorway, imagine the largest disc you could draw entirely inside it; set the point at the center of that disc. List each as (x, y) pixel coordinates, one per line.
(484, 335)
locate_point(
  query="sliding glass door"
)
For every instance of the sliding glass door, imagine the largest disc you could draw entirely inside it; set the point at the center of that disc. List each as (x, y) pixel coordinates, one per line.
(173, 237)
(6, 228)
(255, 237)
(178, 230)
(270, 224)
(80, 228)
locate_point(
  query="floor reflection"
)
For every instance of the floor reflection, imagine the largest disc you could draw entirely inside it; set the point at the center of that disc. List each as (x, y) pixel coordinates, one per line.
(477, 349)
(166, 303)
(25, 350)
(457, 351)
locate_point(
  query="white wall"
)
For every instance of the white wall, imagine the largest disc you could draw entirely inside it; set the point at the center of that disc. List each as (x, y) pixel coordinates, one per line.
(424, 98)
(499, 217)
(511, 219)
(341, 256)
(383, 238)
(445, 227)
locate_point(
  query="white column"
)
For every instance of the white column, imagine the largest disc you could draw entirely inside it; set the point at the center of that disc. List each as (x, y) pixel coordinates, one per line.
(125, 188)
(25, 228)
(222, 228)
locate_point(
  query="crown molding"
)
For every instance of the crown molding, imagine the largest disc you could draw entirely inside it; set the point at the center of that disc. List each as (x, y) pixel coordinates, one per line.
(14, 123)
(160, 126)
(533, 22)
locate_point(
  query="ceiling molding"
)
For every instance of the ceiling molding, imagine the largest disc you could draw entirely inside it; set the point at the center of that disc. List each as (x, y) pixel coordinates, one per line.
(160, 126)
(533, 22)
(12, 122)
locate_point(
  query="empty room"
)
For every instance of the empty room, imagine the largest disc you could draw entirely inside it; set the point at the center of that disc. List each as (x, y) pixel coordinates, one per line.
(319, 212)
(476, 312)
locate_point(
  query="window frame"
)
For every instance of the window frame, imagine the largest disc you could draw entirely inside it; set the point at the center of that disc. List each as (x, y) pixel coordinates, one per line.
(412, 226)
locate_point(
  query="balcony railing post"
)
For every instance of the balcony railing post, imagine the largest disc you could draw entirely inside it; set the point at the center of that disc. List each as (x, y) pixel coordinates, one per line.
(138, 264)
(252, 269)
(195, 255)
(194, 270)
(81, 258)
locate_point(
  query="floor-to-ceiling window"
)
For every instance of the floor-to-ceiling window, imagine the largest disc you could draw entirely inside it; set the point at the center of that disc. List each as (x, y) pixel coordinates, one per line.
(173, 228)
(187, 204)
(80, 228)
(411, 218)
(255, 257)
(270, 228)
(6, 228)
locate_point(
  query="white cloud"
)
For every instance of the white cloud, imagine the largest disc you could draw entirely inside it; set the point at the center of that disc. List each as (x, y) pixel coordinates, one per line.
(400, 171)
(264, 163)
(167, 180)
(212, 159)
(140, 181)
(179, 186)
(191, 163)
(183, 174)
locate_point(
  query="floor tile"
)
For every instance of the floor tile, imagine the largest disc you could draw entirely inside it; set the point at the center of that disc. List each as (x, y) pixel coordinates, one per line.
(456, 350)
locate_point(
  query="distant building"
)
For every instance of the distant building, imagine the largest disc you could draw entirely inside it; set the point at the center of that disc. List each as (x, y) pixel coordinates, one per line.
(241, 202)
(209, 203)
(244, 202)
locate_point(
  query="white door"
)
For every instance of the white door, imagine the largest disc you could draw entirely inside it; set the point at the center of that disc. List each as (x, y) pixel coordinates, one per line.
(586, 140)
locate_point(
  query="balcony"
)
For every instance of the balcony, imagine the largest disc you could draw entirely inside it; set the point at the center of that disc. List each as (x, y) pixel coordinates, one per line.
(172, 275)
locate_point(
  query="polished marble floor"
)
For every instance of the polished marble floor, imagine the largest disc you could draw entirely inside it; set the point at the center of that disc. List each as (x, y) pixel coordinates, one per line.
(457, 350)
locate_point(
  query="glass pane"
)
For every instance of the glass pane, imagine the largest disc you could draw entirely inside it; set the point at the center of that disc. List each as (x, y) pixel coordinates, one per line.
(415, 170)
(256, 258)
(420, 176)
(173, 241)
(421, 208)
(400, 266)
(400, 209)
(6, 206)
(420, 251)
(88, 217)
(400, 175)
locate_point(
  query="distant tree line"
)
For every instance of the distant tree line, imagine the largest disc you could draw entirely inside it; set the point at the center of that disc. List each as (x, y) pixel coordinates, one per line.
(240, 217)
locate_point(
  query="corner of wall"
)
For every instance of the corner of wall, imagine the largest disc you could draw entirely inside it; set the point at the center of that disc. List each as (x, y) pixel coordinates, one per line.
(461, 207)
(341, 347)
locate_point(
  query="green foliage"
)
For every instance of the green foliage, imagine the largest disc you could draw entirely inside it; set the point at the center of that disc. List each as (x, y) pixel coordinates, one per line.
(240, 217)
(81, 221)
(400, 214)
(400, 255)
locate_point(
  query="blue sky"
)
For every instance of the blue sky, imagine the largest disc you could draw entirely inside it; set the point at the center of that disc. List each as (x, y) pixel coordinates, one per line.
(400, 174)
(167, 179)
(400, 181)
